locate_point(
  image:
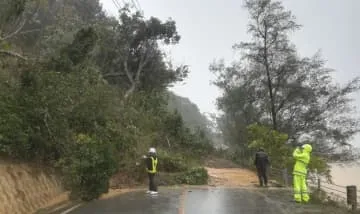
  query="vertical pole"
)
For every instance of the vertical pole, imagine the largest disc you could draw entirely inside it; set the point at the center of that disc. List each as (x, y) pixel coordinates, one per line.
(285, 177)
(318, 181)
(354, 206)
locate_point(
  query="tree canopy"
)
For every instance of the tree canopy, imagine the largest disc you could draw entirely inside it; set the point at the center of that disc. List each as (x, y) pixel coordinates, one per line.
(86, 93)
(271, 84)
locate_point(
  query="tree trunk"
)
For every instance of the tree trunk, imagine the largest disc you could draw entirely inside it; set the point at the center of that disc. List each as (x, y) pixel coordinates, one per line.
(270, 87)
(130, 91)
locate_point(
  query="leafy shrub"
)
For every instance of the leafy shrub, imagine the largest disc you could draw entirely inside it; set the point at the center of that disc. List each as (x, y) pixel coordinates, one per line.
(168, 179)
(273, 142)
(279, 152)
(88, 169)
(171, 162)
(195, 176)
(183, 139)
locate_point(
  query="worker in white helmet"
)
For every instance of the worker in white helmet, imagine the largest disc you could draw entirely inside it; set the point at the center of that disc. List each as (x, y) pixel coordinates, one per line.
(151, 164)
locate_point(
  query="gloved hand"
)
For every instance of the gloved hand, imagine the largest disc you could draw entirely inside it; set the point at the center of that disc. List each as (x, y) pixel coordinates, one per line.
(144, 156)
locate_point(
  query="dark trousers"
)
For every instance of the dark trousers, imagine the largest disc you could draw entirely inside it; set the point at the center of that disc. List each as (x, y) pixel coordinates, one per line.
(152, 185)
(262, 174)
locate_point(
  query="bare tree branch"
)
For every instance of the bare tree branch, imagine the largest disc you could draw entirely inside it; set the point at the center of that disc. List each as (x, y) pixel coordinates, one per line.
(143, 60)
(13, 54)
(126, 68)
(112, 74)
(168, 141)
(28, 31)
(21, 26)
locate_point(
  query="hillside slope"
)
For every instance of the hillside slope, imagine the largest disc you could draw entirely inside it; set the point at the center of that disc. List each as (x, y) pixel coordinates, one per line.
(193, 118)
(189, 111)
(25, 188)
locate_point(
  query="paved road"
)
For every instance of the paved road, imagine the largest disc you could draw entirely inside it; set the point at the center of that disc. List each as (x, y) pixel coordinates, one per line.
(198, 201)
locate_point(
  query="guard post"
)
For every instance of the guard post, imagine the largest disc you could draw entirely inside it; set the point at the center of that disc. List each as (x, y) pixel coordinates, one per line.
(351, 197)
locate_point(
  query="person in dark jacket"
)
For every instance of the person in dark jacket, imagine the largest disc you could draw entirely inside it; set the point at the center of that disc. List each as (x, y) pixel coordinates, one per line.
(262, 163)
(151, 168)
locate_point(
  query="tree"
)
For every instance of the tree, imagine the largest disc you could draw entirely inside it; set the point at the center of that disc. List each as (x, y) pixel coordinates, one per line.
(275, 143)
(57, 109)
(12, 21)
(45, 25)
(272, 84)
(131, 58)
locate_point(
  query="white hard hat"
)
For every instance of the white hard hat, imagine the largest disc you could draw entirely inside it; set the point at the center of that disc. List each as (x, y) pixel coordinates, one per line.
(152, 150)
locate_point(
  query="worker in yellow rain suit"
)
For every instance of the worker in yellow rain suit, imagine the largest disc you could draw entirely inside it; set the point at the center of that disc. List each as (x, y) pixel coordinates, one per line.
(302, 159)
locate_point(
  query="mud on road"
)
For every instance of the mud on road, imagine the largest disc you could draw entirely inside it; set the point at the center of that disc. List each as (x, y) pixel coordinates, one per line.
(231, 177)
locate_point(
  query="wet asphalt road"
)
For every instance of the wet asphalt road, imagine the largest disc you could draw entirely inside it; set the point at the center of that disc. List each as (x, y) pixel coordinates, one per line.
(198, 201)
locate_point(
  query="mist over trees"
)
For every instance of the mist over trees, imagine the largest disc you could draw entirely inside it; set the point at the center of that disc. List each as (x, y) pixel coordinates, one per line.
(271, 85)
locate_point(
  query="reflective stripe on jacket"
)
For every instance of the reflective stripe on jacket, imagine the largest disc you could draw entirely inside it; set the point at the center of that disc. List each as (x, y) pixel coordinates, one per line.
(154, 162)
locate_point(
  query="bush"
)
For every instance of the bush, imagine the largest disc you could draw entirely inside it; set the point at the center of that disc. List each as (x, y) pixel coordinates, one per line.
(279, 151)
(318, 196)
(88, 169)
(273, 142)
(168, 179)
(171, 163)
(195, 176)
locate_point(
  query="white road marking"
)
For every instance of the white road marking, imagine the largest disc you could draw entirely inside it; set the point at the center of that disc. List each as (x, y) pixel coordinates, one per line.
(71, 209)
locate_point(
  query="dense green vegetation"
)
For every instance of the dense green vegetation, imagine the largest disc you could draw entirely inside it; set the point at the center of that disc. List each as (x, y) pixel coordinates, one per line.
(87, 93)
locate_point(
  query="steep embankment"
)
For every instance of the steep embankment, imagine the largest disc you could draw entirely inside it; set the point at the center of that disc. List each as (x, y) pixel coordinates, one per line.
(24, 189)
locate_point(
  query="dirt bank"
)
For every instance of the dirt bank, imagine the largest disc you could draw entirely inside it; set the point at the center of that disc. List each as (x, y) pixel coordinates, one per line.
(234, 177)
(25, 188)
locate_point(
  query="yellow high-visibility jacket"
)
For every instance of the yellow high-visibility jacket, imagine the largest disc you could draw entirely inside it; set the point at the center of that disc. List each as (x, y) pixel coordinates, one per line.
(302, 159)
(152, 165)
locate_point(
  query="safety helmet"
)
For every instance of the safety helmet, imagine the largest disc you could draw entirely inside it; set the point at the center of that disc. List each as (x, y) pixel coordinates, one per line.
(307, 147)
(152, 150)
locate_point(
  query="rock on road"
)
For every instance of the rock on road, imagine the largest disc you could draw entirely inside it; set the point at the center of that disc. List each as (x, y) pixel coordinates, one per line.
(200, 200)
